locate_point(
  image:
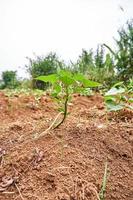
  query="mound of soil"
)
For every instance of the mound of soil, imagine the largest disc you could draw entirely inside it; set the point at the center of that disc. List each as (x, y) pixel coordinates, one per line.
(65, 163)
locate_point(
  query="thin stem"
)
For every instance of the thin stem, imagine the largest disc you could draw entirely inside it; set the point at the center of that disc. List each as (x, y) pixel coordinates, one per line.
(65, 109)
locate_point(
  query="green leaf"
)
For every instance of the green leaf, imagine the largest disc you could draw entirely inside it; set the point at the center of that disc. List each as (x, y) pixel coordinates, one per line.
(64, 73)
(110, 98)
(130, 100)
(114, 107)
(57, 88)
(87, 83)
(49, 78)
(79, 77)
(118, 84)
(66, 77)
(67, 80)
(90, 84)
(115, 91)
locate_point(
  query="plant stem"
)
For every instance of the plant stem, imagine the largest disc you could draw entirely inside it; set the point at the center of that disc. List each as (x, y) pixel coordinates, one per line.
(65, 109)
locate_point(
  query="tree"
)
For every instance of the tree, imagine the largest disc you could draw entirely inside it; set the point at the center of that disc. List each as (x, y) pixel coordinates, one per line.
(85, 61)
(9, 79)
(43, 66)
(103, 70)
(99, 57)
(124, 54)
(96, 66)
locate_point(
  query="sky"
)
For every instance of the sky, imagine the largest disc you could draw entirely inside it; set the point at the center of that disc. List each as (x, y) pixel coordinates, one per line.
(62, 26)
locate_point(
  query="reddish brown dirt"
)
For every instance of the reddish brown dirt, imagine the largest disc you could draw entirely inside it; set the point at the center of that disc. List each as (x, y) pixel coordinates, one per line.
(67, 163)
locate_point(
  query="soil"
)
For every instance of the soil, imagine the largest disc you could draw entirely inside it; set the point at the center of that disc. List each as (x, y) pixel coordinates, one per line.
(66, 163)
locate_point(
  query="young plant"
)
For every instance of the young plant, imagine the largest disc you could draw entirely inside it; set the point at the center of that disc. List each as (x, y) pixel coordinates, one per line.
(64, 84)
(119, 97)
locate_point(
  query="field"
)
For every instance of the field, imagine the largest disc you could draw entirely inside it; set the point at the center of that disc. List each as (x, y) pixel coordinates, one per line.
(66, 163)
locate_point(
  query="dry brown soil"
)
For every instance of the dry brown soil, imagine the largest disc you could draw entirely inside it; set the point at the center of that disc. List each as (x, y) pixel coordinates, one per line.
(66, 163)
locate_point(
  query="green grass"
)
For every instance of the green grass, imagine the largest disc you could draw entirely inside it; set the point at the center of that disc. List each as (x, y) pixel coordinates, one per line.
(104, 183)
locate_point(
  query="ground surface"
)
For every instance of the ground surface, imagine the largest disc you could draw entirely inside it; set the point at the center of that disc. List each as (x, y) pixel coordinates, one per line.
(66, 163)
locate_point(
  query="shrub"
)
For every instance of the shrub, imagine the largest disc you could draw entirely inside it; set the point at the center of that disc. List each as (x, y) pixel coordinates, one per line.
(9, 79)
(43, 66)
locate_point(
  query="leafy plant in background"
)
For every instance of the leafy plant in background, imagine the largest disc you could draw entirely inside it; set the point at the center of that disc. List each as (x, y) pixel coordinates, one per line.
(103, 70)
(96, 66)
(9, 80)
(43, 65)
(123, 55)
(64, 84)
(85, 61)
(119, 97)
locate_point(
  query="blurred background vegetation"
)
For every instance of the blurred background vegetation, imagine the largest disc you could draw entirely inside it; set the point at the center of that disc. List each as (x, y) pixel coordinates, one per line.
(105, 65)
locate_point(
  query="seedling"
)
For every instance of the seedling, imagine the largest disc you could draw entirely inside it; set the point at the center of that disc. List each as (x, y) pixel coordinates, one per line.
(119, 97)
(64, 84)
